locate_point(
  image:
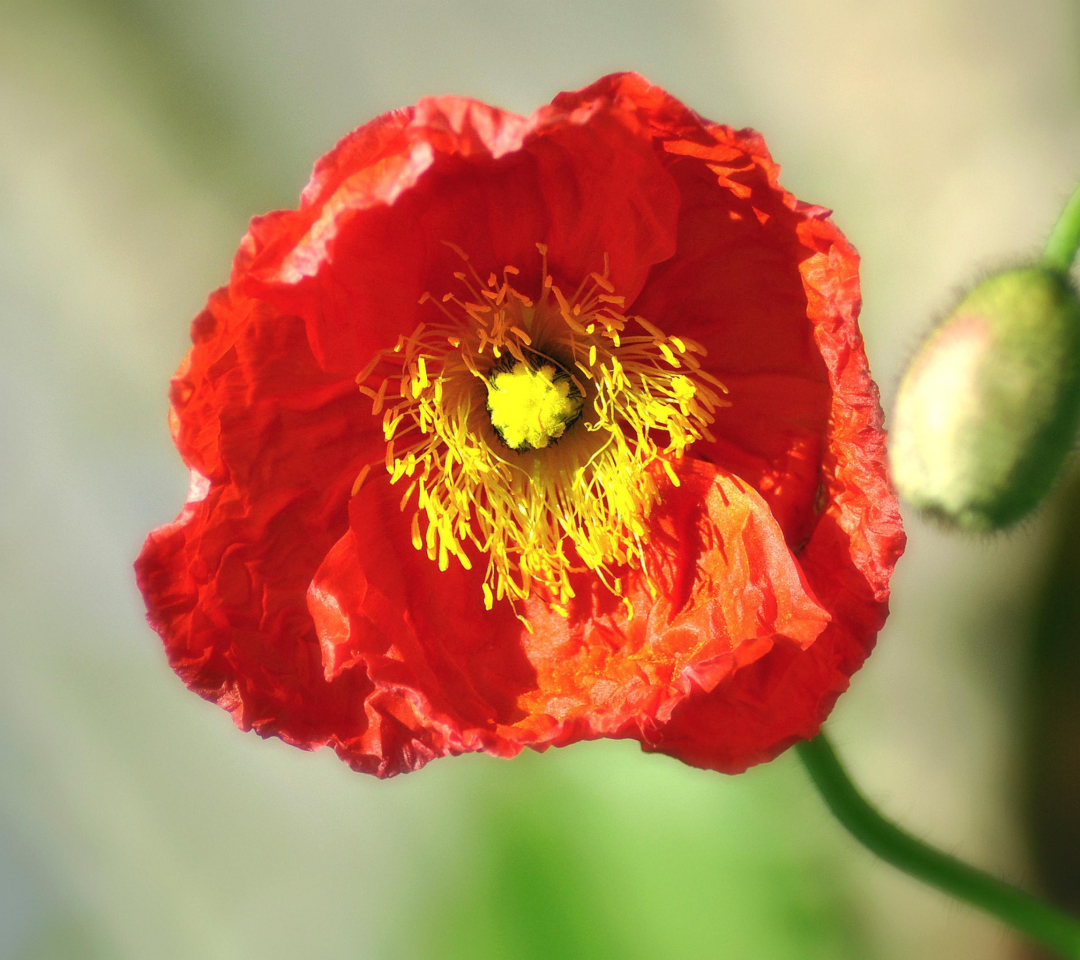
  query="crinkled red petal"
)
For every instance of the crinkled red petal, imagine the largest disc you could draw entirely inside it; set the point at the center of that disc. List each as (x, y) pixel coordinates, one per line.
(458, 677)
(367, 244)
(274, 443)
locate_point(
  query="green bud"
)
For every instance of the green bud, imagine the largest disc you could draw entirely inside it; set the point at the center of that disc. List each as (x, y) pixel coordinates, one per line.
(989, 406)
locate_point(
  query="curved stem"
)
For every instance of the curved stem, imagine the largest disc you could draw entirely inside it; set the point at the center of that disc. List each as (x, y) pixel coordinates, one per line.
(1011, 906)
(1064, 239)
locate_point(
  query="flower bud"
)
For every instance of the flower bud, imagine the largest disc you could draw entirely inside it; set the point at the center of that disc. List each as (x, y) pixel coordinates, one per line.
(989, 406)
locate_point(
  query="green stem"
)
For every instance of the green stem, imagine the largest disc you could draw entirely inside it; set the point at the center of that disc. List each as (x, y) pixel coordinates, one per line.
(1011, 906)
(1064, 239)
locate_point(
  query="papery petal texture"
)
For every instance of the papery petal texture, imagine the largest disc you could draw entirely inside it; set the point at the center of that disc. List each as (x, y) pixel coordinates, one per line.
(290, 591)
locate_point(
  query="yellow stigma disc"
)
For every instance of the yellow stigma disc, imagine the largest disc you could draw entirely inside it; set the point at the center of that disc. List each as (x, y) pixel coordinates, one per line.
(531, 407)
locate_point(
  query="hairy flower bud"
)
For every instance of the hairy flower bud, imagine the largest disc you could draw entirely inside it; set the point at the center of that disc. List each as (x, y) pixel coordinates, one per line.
(989, 405)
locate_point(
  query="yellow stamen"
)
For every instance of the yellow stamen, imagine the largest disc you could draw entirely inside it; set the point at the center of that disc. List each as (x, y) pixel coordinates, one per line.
(475, 428)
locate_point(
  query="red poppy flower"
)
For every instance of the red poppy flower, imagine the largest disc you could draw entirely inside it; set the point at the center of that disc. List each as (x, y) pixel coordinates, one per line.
(520, 432)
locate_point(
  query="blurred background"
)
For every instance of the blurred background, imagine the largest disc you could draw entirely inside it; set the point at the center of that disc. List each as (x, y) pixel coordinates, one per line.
(136, 138)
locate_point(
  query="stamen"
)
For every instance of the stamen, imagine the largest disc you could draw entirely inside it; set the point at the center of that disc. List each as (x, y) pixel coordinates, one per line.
(360, 478)
(484, 392)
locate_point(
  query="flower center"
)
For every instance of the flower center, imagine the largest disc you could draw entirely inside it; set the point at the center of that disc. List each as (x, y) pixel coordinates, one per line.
(497, 369)
(532, 405)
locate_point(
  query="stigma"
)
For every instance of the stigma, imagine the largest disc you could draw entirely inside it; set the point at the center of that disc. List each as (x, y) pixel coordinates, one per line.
(531, 406)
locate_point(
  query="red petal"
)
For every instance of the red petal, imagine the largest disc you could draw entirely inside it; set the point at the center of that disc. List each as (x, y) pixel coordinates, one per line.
(459, 678)
(225, 584)
(850, 556)
(371, 236)
(445, 671)
(728, 590)
(736, 286)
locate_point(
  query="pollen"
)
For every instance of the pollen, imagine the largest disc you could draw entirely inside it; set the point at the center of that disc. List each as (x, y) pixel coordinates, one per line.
(530, 407)
(472, 404)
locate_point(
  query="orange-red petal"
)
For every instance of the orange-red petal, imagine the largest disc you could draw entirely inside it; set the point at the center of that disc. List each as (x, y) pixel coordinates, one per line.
(448, 676)
(273, 442)
(370, 239)
(311, 617)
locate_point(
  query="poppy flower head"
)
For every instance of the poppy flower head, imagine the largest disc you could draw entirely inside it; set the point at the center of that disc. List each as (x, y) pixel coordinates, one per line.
(524, 431)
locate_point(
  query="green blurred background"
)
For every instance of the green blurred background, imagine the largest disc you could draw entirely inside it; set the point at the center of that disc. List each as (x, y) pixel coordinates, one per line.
(136, 138)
